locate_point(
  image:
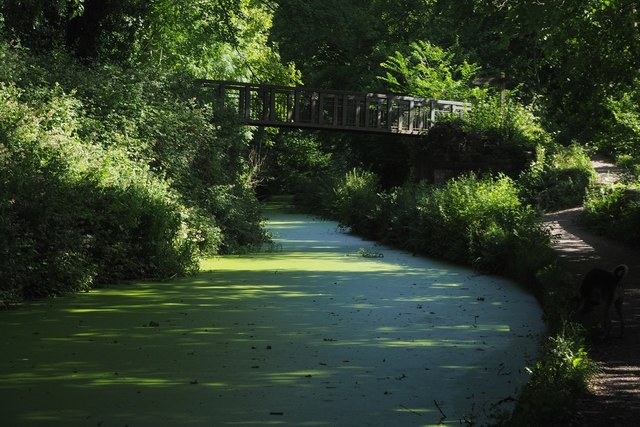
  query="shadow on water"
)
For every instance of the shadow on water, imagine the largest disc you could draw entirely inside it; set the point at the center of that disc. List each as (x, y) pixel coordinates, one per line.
(311, 334)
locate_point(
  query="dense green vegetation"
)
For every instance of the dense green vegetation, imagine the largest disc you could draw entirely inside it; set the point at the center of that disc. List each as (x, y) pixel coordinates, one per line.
(112, 167)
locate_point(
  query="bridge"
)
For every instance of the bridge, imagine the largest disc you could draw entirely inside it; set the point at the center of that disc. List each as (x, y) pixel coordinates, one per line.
(302, 107)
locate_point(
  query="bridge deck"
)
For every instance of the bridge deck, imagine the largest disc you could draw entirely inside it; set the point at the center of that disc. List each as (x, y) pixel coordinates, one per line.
(301, 107)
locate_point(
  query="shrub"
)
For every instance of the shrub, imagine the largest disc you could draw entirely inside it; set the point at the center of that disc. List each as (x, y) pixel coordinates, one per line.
(430, 71)
(621, 135)
(614, 210)
(356, 201)
(118, 178)
(506, 123)
(154, 119)
(562, 373)
(482, 222)
(631, 163)
(558, 178)
(73, 214)
(479, 222)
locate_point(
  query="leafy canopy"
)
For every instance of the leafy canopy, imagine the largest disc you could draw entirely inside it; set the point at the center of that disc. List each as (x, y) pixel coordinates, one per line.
(430, 71)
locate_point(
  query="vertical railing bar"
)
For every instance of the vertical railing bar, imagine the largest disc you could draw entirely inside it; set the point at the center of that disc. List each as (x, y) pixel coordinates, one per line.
(432, 113)
(320, 108)
(272, 104)
(313, 107)
(290, 106)
(296, 106)
(366, 112)
(247, 98)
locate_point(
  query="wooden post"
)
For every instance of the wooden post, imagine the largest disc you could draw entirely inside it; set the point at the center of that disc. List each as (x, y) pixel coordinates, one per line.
(272, 105)
(289, 107)
(345, 101)
(296, 106)
(366, 112)
(432, 113)
(321, 108)
(313, 106)
(389, 111)
(247, 100)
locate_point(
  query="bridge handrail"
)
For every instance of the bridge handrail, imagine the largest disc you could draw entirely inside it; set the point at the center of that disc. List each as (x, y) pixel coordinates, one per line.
(276, 105)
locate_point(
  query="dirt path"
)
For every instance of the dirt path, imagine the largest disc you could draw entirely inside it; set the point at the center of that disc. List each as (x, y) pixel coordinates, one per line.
(616, 397)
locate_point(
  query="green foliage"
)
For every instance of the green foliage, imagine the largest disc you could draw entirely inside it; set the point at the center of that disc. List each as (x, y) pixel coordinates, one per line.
(333, 42)
(356, 201)
(614, 210)
(621, 136)
(506, 123)
(582, 53)
(289, 161)
(631, 164)
(213, 38)
(118, 178)
(479, 222)
(558, 179)
(221, 38)
(561, 374)
(482, 222)
(73, 214)
(432, 72)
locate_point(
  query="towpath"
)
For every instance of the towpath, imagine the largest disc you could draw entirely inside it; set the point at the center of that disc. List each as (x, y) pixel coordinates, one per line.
(615, 401)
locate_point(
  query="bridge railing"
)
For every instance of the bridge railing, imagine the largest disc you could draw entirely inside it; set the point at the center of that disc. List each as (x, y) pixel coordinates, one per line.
(301, 107)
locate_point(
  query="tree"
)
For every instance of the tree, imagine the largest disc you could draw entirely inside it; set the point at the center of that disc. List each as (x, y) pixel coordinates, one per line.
(213, 38)
(430, 71)
(205, 38)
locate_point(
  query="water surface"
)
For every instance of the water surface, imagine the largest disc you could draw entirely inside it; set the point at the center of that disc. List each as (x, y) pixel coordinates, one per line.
(310, 333)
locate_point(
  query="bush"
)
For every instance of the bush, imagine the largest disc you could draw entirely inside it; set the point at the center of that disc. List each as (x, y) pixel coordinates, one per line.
(474, 221)
(505, 123)
(614, 211)
(119, 178)
(154, 118)
(356, 202)
(621, 135)
(74, 214)
(481, 222)
(562, 373)
(557, 179)
(631, 163)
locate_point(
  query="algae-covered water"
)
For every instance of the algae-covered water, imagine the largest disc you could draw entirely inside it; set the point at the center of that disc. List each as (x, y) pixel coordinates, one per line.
(323, 330)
